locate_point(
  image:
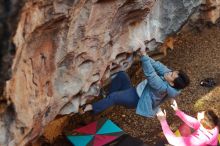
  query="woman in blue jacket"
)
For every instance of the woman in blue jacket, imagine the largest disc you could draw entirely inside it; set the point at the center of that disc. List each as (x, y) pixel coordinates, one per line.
(161, 84)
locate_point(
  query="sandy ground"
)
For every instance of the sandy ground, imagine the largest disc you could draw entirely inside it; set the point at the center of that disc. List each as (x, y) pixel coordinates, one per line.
(197, 53)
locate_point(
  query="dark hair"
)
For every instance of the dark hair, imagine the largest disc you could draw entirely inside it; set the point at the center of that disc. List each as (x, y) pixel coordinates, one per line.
(181, 81)
(210, 120)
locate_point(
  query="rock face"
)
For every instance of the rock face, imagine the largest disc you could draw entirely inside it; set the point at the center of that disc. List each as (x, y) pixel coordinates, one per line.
(210, 10)
(8, 22)
(66, 49)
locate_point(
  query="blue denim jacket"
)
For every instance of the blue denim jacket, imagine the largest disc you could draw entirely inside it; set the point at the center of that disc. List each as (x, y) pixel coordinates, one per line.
(157, 89)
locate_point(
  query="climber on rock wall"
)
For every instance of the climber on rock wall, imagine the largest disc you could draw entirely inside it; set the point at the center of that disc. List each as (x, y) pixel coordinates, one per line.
(160, 84)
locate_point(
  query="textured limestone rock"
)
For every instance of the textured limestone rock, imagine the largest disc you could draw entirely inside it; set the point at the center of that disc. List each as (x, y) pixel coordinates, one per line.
(67, 49)
(210, 10)
(8, 22)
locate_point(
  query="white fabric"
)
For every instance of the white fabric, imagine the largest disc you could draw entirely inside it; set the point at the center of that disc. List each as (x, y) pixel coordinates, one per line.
(140, 87)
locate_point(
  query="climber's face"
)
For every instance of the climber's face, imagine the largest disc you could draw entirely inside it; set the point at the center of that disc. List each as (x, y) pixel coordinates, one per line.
(171, 76)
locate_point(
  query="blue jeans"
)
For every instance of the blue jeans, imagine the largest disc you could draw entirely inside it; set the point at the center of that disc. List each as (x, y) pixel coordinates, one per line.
(121, 92)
